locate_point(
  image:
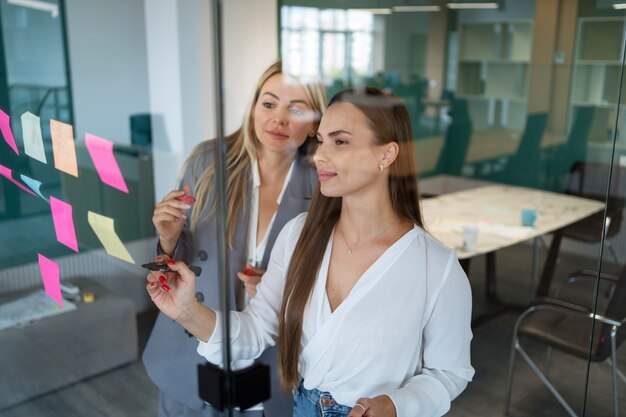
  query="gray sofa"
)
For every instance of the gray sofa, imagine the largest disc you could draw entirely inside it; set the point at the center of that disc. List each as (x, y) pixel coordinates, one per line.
(61, 350)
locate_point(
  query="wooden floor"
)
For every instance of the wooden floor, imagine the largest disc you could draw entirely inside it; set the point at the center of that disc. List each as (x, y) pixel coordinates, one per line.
(127, 391)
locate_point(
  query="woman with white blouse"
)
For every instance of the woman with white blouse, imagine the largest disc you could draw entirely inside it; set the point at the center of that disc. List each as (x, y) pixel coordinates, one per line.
(371, 313)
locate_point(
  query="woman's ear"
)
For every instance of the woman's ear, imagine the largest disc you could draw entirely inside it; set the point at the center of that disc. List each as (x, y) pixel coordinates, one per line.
(391, 152)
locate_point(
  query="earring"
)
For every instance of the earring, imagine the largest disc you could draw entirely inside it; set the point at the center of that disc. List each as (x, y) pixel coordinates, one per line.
(381, 167)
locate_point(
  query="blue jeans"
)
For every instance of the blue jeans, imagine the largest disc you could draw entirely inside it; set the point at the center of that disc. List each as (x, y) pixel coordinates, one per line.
(315, 403)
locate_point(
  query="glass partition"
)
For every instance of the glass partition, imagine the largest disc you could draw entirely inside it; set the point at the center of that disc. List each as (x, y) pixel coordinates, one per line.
(516, 111)
(514, 107)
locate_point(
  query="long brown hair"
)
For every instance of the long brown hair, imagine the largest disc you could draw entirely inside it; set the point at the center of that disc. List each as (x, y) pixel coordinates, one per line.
(389, 121)
(242, 146)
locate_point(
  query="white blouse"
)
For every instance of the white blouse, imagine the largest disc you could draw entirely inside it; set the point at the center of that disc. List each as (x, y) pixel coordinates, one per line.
(404, 329)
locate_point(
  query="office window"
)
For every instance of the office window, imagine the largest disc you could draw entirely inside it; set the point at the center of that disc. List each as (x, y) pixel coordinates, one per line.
(333, 44)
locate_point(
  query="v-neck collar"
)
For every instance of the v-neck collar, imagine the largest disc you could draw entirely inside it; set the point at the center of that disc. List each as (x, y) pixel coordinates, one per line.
(372, 273)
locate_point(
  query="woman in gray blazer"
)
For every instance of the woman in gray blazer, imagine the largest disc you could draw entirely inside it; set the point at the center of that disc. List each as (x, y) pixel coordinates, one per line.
(270, 181)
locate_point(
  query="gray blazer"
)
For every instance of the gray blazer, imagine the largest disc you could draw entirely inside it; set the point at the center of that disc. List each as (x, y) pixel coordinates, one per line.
(170, 356)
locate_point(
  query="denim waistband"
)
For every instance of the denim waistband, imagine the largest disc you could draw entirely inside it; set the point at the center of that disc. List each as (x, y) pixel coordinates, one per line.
(323, 402)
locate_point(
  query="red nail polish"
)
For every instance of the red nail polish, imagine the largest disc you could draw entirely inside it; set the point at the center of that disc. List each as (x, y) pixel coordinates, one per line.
(152, 284)
(162, 278)
(249, 271)
(170, 262)
(165, 288)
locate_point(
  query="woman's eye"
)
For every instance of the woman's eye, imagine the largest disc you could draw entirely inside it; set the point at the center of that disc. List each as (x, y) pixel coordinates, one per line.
(268, 105)
(340, 142)
(296, 111)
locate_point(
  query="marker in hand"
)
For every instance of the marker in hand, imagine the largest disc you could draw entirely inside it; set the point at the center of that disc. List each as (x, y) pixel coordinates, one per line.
(189, 199)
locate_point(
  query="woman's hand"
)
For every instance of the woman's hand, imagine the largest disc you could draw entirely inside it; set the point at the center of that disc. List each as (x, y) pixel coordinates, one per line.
(380, 406)
(251, 277)
(173, 292)
(169, 217)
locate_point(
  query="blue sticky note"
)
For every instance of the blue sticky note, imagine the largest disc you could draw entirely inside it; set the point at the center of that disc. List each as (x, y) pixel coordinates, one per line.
(34, 185)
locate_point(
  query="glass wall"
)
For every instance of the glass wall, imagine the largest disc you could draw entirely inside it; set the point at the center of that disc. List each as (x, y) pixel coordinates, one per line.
(516, 110)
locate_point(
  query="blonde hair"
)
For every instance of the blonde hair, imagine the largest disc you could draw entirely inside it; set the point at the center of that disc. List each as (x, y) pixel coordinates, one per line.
(241, 147)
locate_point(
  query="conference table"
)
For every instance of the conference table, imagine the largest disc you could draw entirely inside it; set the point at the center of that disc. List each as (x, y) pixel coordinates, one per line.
(495, 210)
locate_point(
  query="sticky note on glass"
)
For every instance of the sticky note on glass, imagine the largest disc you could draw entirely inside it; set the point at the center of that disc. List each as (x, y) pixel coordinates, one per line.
(33, 185)
(5, 127)
(8, 174)
(33, 142)
(63, 147)
(50, 276)
(63, 223)
(101, 152)
(104, 227)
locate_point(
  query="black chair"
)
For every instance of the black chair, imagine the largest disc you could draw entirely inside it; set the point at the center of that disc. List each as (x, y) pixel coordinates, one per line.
(589, 180)
(566, 327)
(457, 140)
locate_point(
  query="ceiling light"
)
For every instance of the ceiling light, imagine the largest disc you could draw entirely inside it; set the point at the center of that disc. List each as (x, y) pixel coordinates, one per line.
(373, 11)
(472, 6)
(37, 5)
(619, 6)
(416, 8)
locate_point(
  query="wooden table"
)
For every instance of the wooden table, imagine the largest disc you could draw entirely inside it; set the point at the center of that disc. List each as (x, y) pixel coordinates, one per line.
(496, 211)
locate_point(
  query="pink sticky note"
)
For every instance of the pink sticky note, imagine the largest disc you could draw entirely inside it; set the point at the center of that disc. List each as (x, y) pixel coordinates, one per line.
(50, 276)
(101, 152)
(8, 174)
(63, 147)
(5, 127)
(63, 223)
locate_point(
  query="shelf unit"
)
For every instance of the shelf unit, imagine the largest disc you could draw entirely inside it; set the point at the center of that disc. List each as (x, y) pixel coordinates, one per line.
(493, 72)
(597, 72)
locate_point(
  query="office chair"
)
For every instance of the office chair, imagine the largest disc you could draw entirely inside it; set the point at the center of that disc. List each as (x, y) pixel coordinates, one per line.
(523, 168)
(457, 140)
(589, 180)
(559, 159)
(566, 327)
(141, 130)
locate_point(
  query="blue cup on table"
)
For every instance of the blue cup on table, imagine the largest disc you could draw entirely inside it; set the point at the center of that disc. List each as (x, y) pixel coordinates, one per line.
(529, 215)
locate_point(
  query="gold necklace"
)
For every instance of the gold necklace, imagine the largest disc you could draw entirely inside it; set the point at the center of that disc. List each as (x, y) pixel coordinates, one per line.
(346, 242)
(350, 250)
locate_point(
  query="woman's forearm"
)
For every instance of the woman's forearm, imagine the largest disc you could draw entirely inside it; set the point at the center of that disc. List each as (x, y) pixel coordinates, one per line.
(199, 321)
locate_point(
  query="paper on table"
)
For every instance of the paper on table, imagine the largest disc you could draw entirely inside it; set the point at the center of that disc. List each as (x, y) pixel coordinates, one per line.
(63, 147)
(8, 174)
(50, 276)
(101, 152)
(33, 142)
(30, 308)
(104, 227)
(5, 127)
(34, 185)
(487, 228)
(63, 223)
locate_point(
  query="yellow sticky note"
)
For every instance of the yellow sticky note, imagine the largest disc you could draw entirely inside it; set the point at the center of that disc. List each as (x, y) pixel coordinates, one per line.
(104, 227)
(63, 147)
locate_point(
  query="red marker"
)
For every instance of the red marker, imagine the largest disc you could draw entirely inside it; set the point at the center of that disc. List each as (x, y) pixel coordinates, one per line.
(189, 199)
